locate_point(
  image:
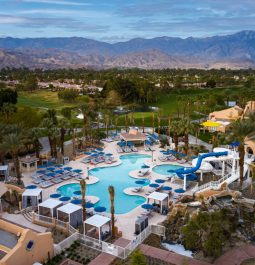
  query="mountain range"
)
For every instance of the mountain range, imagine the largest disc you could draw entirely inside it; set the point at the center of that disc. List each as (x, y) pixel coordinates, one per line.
(230, 51)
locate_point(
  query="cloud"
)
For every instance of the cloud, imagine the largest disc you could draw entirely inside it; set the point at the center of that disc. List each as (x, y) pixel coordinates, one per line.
(56, 2)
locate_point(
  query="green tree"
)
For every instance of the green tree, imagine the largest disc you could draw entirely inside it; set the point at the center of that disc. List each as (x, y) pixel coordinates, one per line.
(138, 258)
(34, 135)
(63, 124)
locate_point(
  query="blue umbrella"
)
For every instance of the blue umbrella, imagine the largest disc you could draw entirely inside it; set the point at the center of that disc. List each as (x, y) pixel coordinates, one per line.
(51, 174)
(235, 144)
(60, 171)
(50, 168)
(166, 188)
(76, 201)
(160, 181)
(58, 165)
(100, 209)
(99, 149)
(55, 195)
(87, 153)
(154, 185)
(101, 153)
(179, 190)
(68, 168)
(145, 166)
(77, 192)
(140, 182)
(95, 155)
(65, 199)
(89, 205)
(109, 154)
(147, 206)
(31, 187)
(40, 171)
(77, 170)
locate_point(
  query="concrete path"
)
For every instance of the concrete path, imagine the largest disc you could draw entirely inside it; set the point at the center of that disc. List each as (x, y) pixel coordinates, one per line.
(192, 140)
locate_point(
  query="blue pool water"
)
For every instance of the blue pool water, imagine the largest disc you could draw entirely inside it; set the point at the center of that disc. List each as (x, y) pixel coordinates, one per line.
(163, 169)
(117, 176)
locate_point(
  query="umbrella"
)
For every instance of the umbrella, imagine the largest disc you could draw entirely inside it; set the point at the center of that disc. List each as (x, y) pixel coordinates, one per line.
(58, 165)
(55, 195)
(147, 206)
(99, 149)
(145, 166)
(89, 205)
(235, 144)
(87, 153)
(68, 168)
(95, 155)
(60, 171)
(50, 168)
(166, 188)
(65, 199)
(76, 201)
(51, 174)
(179, 190)
(40, 171)
(109, 154)
(31, 187)
(140, 182)
(101, 153)
(77, 192)
(100, 209)
(77, 170)
(210, 124)
(160, 181)
(154, 185)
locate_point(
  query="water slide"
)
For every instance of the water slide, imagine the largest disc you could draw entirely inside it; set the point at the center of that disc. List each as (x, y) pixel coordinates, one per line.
(185, 171)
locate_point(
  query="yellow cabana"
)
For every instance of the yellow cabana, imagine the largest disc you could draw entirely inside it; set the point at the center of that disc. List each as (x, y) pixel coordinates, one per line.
(210, 124)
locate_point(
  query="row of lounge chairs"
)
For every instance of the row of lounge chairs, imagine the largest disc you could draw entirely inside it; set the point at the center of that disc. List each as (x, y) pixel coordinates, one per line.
(126, 149)
(171, 158)
(148, 148)
(98, 160)
(111, 139)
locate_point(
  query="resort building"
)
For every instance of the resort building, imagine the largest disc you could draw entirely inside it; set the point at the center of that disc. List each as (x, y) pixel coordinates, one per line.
(28, 164)
(19, 246)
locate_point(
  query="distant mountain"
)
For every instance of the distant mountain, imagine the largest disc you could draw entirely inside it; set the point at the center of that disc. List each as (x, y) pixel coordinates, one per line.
(230, 51)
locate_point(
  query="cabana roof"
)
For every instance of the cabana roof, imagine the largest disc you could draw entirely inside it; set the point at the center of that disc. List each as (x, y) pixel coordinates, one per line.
(159, 196)
(50, 203)
(28, 160)
(4, 168)
(97, 220)
(69, 208)
(32, 192)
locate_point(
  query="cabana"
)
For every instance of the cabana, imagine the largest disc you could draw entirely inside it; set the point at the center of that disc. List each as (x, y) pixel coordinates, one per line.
(49, 207)
(4, 172)
(31, 197)
(134, 136)
(159, 198)
(28, 164)
(98, 227)
(70, 213)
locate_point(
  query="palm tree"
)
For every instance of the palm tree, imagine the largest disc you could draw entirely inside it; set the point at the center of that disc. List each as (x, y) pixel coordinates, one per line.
(33, 135)
(12, 143)
(175, 129)
(63, 124)
(83, 200)
(186, 127)
(153, 122)
(242, 130)
(112, 196)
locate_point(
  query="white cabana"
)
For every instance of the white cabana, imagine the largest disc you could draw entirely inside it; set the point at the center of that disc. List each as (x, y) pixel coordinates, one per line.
(4, 172)
(160, 199)
(98, 227)
(70, 213)
(49, 207)
(31, 197)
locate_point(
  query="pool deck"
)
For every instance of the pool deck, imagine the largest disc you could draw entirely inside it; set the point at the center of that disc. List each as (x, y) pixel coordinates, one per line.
(125, 222)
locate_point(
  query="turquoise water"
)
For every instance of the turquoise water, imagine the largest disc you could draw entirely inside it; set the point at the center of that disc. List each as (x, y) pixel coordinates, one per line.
(162, 169)
(116, 176)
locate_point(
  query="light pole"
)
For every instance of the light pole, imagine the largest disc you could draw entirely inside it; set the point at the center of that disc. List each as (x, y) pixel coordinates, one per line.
(152, 155)
(87, 172)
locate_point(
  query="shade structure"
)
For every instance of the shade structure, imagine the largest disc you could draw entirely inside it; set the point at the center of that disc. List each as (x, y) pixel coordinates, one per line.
(145, 166)
(211, 124)
(55, 195)
(166, 188)
(58, 165)
(89, 205)
(40, 171)
(87, 153)
(51, 174)
(31, 187)
(160, 181)
(154, 185)
(68, 168)
(108, 154)
(50, 168)
(77, 170)
(147, 206)
(100, 209)
(101, 153)
(77, 192)
(65, 199)
(179, 190)
(76, 201)
(140, 182)
(235, 144)
(94, 155)
(59, 171)
(99, 149)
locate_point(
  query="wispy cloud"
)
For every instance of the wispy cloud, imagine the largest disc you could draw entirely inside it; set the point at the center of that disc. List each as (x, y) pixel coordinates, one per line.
(56, 2)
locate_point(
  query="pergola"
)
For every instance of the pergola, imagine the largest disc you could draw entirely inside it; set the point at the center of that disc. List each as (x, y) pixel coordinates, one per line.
(162, 199)
(133, 136)
(31, 197)
(98, 227)
(49, 207)
(70, 213)
(4, 172)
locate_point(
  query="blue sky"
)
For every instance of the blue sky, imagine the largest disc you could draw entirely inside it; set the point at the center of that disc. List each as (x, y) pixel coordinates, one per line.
(121, 20)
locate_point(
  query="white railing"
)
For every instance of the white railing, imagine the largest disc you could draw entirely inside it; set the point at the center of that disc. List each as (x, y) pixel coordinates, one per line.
(66, 243)
(42, 218)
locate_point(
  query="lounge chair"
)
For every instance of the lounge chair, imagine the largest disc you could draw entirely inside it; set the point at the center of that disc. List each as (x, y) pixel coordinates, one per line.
(137, 189)
(37, 180)
(144, 172)
(46, 184)
(181, 161)
(66, 177)
(146, 148)
(163, 158)
(134, 149)
(57, 180)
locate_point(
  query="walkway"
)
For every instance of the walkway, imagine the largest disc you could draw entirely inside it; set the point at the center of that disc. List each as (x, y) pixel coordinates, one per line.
(193, 140)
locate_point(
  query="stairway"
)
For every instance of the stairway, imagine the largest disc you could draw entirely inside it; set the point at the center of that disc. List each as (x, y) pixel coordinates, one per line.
(28, 215)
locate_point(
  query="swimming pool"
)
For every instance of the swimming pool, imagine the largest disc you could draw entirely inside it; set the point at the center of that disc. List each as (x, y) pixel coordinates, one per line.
(163, 169)
(117, 176)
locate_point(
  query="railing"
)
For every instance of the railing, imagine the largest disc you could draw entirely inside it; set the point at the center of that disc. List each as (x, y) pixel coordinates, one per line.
(42, 218)
(66, 243)
(90, 242)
